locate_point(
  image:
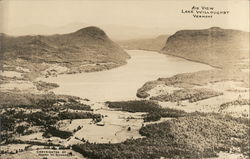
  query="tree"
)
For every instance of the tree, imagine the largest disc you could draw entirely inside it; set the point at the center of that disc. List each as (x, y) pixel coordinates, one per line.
(129, 128)
(79, 128)
(20, 129)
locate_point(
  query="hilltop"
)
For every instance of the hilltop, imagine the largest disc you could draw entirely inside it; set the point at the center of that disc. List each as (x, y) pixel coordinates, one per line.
(86, 50)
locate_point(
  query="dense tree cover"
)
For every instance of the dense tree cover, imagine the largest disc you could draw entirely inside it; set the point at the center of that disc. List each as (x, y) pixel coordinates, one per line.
(41, 118)
(41, 101)
(155, 111)
(20, 129)
(38, 118)
(194, 136)
(80, 115)
(57, 133)
(135, 106)
(14, 141)
(7, 123)
(235, 102)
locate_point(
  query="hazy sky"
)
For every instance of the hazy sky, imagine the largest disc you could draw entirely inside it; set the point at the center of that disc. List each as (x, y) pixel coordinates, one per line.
(142, 13)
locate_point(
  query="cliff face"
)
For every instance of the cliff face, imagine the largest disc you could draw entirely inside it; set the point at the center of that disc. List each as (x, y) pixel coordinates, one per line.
(88, 49)
(215, 46)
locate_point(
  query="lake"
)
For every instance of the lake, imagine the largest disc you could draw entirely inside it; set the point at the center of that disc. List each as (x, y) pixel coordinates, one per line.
(122, 83)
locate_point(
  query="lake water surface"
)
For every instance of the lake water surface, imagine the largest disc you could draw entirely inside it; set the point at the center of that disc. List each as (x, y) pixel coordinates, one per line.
(122, 83)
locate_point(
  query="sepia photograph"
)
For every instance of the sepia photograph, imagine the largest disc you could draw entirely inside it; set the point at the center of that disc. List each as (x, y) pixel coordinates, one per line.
(124, 79)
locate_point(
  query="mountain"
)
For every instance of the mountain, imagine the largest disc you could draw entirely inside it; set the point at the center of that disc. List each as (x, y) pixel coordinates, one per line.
(88, 49)
(225, 49)
(215, 46)
(151, 44)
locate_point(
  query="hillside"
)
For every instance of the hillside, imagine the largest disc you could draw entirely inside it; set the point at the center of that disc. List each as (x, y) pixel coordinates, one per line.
(214, 46)
(207, 90)
(151, 44)
(88, 49)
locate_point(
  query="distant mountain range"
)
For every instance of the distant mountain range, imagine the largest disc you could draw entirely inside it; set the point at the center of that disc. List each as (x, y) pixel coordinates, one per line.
(88, 49)
(115, 32)
(38, 29)
(151, 44)
(215, 46)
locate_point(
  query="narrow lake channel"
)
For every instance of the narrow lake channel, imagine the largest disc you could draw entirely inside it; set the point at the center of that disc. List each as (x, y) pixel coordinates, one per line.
(122, 83)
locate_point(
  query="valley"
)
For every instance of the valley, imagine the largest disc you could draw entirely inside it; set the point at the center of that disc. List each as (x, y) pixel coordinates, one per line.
(174, 101)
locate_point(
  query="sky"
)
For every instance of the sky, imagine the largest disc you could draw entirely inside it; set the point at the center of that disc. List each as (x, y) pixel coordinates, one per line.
(139, 13)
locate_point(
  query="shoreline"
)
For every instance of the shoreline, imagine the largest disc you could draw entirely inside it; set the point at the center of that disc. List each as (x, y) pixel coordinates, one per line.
(216, 67)
(160, 52)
